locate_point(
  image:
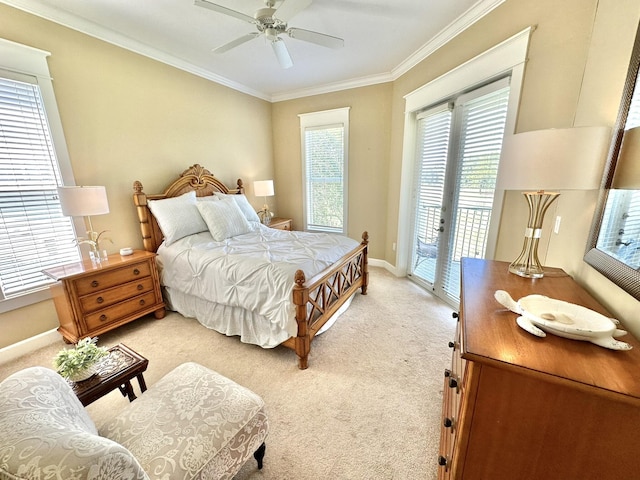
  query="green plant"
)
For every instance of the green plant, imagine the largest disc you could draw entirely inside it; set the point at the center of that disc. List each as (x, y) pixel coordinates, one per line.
(69, 361)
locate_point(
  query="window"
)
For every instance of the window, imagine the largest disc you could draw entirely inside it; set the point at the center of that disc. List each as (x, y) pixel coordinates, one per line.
(34, 235)
(324, 156)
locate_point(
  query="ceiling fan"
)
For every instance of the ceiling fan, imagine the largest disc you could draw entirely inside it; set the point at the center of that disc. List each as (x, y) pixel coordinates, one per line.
(272, 23)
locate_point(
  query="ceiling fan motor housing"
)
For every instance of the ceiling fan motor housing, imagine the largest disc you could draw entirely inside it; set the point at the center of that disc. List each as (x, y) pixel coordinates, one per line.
(265, 16)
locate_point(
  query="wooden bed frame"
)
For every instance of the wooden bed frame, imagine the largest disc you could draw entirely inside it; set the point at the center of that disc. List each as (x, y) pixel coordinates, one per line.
(315, 299)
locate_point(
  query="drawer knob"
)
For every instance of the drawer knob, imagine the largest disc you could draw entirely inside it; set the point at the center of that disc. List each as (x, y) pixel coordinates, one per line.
(140, 287)
(99, 299)
(452, 344)
(103, 317)
(136, 271)
(455, 314)
(94, 283)
(142, 301)
(448, 423)
(442, 461)
(453, 383)
(447, 373)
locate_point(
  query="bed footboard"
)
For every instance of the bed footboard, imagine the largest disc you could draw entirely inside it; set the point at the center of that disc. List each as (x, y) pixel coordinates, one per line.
(319, 298)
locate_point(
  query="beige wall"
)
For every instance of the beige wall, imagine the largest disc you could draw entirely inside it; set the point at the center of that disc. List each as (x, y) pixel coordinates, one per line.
(369, 128)
(128, 118)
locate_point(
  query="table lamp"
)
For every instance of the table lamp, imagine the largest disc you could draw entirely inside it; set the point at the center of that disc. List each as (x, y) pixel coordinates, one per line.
(264, 188)
(85, 202)
(541, 162)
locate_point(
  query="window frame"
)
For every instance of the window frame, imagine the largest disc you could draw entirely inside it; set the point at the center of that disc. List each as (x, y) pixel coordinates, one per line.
(508, 56)
(327, 119)
(25, 60)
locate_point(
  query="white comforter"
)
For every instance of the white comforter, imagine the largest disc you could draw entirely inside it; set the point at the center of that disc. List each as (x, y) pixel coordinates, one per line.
(251, 275)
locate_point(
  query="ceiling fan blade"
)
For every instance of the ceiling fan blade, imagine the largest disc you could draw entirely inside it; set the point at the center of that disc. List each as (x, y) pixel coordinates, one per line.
(315, 37)
(282, 54)
(290, 8)
(227, 11)
(236, 42)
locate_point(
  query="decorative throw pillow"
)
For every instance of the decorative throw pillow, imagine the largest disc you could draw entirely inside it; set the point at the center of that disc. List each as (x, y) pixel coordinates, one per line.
(224, 219)
(246, 208)
(178, 217)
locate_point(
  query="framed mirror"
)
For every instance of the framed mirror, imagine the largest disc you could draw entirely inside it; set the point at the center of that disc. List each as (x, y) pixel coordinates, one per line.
(614, 242)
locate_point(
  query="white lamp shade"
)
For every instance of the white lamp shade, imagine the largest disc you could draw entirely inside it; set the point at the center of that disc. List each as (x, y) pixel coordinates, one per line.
(263, 188)
(83, 201)
(554, 159)
(627, 174)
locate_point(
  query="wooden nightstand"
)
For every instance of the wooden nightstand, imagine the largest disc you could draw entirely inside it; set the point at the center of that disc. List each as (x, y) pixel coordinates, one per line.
(91, 299)
(280, 223)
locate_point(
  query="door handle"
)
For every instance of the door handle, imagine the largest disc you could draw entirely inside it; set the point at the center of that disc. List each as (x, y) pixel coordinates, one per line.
(439, 229)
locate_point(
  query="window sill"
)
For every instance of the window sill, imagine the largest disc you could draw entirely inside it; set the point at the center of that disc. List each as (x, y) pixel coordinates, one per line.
(25, 300)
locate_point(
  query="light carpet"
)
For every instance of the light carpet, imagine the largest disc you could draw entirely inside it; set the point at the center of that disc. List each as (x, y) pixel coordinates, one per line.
(368, 406)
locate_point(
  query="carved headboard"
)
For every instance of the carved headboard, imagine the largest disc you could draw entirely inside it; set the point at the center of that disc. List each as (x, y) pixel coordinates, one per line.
(195, 178)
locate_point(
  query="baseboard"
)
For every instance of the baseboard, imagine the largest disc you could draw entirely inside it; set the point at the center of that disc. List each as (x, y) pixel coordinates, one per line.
(374, 262)
(25, 347)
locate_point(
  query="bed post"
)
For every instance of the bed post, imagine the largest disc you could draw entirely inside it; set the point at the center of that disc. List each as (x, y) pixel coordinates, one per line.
(149, 235)
(365, 262)
(300, 299)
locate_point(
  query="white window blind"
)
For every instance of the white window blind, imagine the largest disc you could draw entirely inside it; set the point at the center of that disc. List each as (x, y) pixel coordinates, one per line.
(433, 132)
(324, 151)
(34, 235)
(483, 119)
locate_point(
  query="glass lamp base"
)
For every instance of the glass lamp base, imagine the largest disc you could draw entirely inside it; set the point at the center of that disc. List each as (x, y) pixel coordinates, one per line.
(265, 216)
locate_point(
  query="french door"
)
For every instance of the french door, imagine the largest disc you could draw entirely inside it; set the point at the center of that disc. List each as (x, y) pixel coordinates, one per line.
(457, 156)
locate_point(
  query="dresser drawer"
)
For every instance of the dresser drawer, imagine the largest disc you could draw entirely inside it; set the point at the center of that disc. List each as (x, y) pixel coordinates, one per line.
(119, 310)
(97, 301)
(111, 278)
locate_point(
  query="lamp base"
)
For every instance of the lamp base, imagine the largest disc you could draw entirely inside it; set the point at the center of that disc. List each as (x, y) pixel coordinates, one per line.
(528, 264)
(265, 216)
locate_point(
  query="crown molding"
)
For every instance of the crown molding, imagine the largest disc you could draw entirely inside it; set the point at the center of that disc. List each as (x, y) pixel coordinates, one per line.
(455, 28)
(332, 87)
(472, 15)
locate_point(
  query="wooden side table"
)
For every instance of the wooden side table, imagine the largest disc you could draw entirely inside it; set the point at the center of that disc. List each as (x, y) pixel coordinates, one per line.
(114, 371)
(280, 223)
(93, 298)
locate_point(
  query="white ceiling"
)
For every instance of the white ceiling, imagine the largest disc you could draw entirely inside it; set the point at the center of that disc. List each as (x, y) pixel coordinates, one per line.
(383, 39)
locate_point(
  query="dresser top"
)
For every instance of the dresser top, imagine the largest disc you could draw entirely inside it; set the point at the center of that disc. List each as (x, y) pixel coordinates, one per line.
(76, 269)
(490, 334)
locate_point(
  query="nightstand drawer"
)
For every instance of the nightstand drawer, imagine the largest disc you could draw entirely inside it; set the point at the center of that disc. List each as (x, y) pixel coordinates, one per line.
(119, 310)
(111, 278)
(281, 223)
(97, 301)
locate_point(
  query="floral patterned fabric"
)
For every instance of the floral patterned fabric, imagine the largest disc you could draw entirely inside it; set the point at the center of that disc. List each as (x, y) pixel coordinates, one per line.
(192, 424)
(45, 433)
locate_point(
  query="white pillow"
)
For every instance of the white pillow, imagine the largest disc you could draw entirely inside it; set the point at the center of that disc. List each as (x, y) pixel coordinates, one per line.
(177, 216)
(246, 208)
(208, 198)
(224, 219)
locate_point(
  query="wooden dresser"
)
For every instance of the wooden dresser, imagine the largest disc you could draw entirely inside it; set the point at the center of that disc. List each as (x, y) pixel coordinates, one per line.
(521, 407)
(91, 299)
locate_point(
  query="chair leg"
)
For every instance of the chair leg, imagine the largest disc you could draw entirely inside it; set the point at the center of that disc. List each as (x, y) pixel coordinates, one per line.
(259, 455)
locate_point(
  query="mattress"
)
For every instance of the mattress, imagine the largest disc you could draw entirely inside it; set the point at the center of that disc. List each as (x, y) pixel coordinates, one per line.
(242, 285)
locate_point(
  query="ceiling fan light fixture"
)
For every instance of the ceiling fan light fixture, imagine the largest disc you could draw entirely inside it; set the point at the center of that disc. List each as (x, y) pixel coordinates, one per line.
(282, 54)
(271, 34)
